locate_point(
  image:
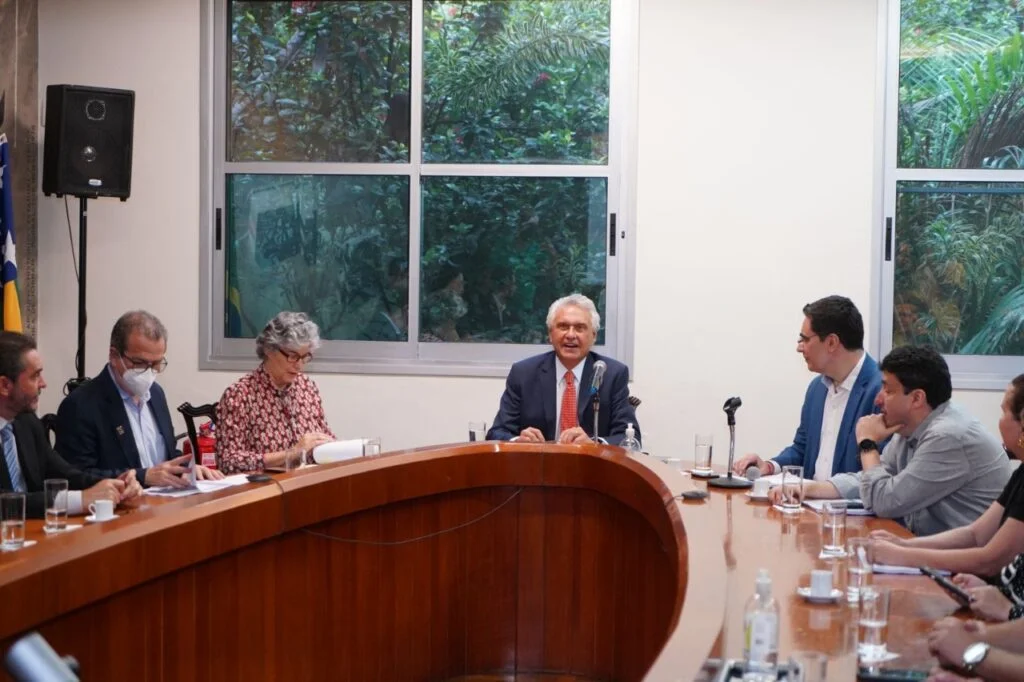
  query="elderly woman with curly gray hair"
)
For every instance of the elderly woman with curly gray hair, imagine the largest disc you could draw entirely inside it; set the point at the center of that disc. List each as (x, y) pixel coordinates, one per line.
(273, 415)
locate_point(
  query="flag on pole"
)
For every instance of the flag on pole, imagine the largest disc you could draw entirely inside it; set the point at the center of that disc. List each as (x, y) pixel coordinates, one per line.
(9, 266)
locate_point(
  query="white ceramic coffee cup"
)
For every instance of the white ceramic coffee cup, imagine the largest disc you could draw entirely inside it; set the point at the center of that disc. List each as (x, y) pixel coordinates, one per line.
(102, 509)
(762, 486)
(821, 582)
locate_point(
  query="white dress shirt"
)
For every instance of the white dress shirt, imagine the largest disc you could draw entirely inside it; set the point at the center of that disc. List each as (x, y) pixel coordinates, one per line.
(836, 399)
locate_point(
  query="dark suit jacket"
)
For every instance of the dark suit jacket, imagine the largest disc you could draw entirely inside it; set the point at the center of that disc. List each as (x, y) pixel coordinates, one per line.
(807, 440)
(94, 434)
(529, 400)
(38, 463)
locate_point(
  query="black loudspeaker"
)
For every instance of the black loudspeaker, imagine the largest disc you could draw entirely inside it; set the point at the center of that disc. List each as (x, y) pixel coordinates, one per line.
(87, 150)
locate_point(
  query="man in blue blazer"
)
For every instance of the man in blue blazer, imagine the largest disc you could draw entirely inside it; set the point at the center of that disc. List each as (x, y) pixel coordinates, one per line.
(119, 420)
(832, 343)
(547, 396)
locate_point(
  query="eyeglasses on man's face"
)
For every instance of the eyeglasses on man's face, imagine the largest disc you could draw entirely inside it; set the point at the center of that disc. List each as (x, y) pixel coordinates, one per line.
(137, 363)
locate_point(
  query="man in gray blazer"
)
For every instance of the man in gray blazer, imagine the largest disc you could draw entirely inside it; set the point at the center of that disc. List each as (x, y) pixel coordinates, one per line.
(940, 470)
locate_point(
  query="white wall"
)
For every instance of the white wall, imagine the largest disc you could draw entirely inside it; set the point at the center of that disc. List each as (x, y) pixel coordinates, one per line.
(756, 180)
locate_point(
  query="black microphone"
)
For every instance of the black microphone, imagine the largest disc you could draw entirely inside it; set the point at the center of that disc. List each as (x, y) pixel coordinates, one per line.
(600, 367)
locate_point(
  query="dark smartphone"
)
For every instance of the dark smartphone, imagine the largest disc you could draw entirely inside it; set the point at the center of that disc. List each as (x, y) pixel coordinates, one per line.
(258, 478)
(854, 504)
(867, 674)
(693, 494)
(945, 583)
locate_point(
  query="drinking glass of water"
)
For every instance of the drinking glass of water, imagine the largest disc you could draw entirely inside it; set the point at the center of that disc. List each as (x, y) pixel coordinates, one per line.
(872, 623)
(702, 446)
(858, 568)
(12, 521)
(477, 432)
(371, 446)
(55, 491)
(792, 488)
(833, 528)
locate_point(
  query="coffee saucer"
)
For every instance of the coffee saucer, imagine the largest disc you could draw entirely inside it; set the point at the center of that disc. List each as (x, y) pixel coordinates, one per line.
(805, 592)
(703, 474)
(91, 518)
(756, 498)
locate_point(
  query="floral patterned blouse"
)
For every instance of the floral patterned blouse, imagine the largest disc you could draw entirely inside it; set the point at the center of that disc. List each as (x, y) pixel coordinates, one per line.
(255, 418)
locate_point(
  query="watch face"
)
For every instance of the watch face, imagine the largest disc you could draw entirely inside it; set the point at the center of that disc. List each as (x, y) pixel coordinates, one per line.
(974, 654)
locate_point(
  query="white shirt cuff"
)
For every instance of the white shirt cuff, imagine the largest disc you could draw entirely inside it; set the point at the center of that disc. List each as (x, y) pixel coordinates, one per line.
(74, 502)
(776, 467)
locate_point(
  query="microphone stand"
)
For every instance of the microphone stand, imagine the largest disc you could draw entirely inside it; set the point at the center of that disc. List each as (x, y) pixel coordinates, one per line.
(596, 401)
(729, 480)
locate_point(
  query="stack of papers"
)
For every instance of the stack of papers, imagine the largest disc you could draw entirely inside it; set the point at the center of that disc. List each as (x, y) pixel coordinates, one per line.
(200, 487)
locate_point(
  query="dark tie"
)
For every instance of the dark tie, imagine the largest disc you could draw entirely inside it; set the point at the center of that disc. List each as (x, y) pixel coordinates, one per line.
(568, 418)
(11, 455)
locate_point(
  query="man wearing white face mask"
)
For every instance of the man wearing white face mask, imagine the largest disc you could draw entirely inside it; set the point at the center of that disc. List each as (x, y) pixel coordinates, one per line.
(119, 420)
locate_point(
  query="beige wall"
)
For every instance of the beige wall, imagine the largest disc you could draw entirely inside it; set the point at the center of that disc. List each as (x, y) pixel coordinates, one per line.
(755, 193)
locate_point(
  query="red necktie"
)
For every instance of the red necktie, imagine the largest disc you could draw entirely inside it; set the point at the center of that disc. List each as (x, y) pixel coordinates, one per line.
(568, 418)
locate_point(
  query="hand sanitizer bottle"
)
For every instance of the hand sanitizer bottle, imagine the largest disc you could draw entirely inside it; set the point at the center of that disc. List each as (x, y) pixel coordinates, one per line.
(630, 442)
(761, 632)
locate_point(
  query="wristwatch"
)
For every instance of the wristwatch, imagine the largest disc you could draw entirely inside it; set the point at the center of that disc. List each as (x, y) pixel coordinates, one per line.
(867, 445)
(974, 655)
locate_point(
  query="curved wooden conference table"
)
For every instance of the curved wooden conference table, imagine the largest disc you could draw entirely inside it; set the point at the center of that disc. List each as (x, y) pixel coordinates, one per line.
(486, 561)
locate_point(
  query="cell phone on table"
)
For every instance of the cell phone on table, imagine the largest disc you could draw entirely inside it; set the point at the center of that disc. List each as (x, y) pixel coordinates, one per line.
(854, 504)
(955, 591)
(871, 674)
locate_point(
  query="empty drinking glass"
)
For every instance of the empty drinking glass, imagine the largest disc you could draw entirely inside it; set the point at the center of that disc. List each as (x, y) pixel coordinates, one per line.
(833, 528)
(872, 623)
(858, 568)
(792, 488)
(12, 521)
(371, 446)
(702, 446)
(811, 666)
(477, 432)
(55, 491)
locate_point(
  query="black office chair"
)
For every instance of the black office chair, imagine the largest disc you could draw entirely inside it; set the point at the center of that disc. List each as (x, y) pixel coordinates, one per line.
(191, 414)
(50, 427)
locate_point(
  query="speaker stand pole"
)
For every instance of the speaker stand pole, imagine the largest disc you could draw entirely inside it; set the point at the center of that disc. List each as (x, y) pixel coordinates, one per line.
(83, 219)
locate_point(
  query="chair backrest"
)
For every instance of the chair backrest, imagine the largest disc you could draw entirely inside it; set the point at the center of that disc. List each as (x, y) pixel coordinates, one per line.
(191, 413)
(50, 427)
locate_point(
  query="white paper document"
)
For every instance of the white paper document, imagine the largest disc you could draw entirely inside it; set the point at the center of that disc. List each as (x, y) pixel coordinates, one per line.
(199, 487)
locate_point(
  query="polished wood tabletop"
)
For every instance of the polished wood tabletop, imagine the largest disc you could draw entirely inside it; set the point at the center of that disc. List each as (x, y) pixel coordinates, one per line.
(611, 526)
(755, 535)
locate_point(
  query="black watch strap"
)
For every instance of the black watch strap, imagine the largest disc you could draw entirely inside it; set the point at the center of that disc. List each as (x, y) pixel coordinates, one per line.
(867, 445)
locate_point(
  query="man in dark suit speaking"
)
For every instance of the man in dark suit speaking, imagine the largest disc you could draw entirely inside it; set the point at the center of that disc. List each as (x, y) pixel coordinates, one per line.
(28, 459)
(547, 397)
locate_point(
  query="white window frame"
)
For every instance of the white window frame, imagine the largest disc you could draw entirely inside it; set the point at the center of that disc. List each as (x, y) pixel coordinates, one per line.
(982, 372)
(412, 356)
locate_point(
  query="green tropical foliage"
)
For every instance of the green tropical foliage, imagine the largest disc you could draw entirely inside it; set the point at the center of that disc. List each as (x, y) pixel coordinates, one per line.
(960, 246)
(504, 81)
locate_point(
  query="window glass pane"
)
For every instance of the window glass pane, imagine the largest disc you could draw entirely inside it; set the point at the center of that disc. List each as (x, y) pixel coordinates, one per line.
(961, 84)
(335, 247)
(498, 250)
(319, 81)
(516, 81)
(959, 267)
